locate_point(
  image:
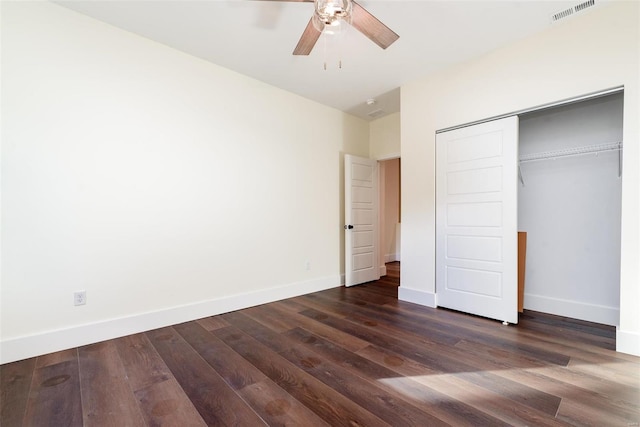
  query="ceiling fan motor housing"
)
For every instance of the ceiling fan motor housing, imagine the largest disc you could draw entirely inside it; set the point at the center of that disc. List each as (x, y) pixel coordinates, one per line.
(330, 12)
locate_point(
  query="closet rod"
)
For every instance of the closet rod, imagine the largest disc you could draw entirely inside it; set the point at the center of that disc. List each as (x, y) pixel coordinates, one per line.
(597, 148)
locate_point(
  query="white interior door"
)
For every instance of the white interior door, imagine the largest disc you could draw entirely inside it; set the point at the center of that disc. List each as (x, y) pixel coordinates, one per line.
(476, 219)
(361, 220)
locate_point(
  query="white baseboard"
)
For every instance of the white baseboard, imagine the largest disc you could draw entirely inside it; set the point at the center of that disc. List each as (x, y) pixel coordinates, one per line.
(47, 342)
(574, 309)
(418, 297)
(628, 342)
(383, 270)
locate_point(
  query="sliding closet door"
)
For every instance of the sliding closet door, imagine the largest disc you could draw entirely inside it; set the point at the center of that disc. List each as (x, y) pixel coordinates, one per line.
(476, 219)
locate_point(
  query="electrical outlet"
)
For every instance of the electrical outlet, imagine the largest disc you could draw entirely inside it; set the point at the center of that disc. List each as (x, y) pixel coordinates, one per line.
(80, 298)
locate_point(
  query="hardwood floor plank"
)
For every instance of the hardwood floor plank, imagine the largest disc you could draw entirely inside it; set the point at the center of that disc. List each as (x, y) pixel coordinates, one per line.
(446, 333)
(279, 408)
(523, 394)
(54, 399)
(263, 334)
(166, 404)
(328, 404)
(626, 374)
(233, 368)
(15, 382)
(456, 389)
(216, 402)
(283, 310)
(142, 363)
(544, 336)
(425, 398)
(575, 412)
(546, 377)
(388, 406)
(272, 403)
(107, 398)
(445, 360)
(57, 357)
(212, 323)
(425, 351)
(543, 380)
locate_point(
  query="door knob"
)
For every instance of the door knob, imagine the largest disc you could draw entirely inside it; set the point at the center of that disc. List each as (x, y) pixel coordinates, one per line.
(348, 227)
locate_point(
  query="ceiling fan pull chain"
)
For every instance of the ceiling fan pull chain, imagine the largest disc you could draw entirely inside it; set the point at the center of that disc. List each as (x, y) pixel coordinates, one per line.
(324, 49)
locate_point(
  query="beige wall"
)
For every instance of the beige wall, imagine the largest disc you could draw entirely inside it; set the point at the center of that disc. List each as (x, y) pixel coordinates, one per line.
(585, 54)
(166, 187)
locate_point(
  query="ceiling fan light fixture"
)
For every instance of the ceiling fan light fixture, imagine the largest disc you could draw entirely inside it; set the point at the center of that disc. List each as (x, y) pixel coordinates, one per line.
(329, 13)
(332, 25)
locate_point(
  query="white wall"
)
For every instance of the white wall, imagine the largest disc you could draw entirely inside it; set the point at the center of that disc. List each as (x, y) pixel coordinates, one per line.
(166, 187)
(570, 208)
(384, 141)
(599, 49)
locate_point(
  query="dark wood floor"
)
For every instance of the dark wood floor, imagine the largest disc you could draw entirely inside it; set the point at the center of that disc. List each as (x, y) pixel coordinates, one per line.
(345, 356)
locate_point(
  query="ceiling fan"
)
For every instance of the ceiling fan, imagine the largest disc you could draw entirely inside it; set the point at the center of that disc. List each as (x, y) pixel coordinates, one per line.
(329, 13)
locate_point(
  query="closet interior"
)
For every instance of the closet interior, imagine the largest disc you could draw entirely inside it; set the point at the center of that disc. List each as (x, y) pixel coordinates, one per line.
(569, 204)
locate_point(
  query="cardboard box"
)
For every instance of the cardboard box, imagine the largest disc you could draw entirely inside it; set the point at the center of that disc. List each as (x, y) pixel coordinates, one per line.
(522, 261)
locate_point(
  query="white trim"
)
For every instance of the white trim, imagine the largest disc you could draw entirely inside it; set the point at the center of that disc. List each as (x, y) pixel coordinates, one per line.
(574, 309)
(628, 342)
(34, 345)
(418, 297)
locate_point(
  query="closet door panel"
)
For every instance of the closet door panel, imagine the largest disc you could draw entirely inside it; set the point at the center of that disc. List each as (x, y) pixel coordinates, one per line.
(476, 219)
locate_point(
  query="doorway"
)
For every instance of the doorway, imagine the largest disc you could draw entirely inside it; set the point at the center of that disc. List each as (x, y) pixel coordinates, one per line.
(570, 205)
(389, 214)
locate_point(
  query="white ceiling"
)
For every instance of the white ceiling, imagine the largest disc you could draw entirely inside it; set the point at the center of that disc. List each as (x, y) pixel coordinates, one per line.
(256, 38)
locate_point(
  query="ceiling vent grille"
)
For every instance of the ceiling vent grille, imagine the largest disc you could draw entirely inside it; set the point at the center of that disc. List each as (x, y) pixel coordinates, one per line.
(560, 15)
(376, 113)
(584, 5)
(575, 9)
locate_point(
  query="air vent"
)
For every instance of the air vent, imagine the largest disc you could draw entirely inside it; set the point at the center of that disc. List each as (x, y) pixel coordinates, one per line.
(575, 9)
(584, 5)
(560, 15)
(376, 113)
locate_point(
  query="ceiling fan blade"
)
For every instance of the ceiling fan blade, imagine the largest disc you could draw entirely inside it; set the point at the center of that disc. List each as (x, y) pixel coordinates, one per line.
(308, 40)
(371, 27)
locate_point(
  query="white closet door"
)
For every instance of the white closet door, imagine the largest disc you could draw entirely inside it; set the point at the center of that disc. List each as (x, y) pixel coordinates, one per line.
(476, 219)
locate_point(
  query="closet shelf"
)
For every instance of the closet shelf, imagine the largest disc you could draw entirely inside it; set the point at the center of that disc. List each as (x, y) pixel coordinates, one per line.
(596, 148)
